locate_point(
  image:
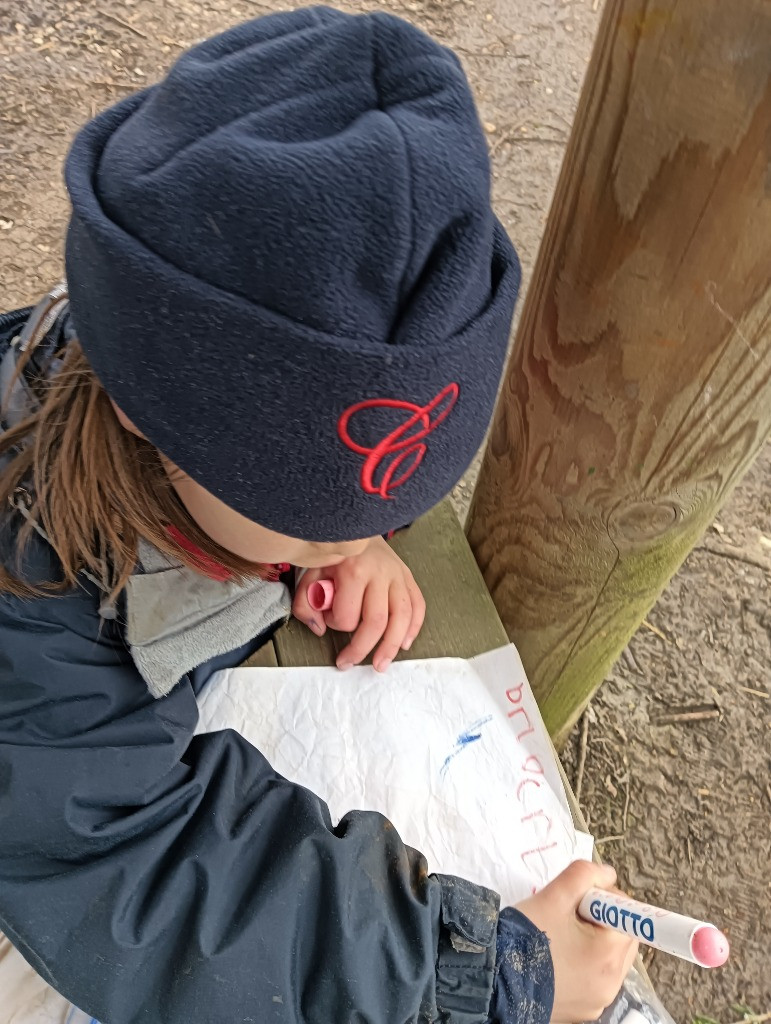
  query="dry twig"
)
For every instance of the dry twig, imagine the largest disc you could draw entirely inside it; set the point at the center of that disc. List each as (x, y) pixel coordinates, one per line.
(110, 83)
(733, 556)
(506, 136)
(653, 629)
(631, 662)
(123, 24)
(626, 801)
(524, 140)
(692, 713)
(582, 755)
(755, 693)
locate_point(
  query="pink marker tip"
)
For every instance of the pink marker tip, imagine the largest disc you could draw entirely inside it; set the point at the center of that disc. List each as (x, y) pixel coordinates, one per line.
(709, 946)
(321, 594)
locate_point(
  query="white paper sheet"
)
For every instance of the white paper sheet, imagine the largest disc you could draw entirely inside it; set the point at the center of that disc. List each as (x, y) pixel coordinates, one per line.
(453, 752)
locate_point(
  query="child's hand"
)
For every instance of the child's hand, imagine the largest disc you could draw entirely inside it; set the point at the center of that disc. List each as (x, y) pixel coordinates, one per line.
(376, 599)
(590, 962)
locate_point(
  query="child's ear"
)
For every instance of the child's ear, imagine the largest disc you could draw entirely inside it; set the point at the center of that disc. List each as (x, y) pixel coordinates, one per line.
(125, 422)
(174, 472)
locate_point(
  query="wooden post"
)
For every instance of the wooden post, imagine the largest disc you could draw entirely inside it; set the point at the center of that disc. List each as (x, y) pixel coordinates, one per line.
(639, 388)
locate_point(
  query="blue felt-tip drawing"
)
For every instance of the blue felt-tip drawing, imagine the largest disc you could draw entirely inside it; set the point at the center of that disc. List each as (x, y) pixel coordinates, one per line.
(471, 735)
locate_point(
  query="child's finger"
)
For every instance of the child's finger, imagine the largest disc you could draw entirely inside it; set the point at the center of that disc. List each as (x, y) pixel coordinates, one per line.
(571, 885)
(301, 608)
(374, 621)
(399, 621)
(418, 614)
(346, 611)
(634, 948)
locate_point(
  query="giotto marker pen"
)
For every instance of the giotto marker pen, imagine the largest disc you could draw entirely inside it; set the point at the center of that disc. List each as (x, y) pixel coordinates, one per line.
(693, 940)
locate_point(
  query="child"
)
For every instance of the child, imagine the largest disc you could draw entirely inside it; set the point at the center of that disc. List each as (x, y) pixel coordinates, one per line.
(289, 304)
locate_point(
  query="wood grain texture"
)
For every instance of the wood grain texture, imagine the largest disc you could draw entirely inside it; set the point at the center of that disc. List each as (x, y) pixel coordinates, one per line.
(461, 619)
(638, 391)
(263, 657)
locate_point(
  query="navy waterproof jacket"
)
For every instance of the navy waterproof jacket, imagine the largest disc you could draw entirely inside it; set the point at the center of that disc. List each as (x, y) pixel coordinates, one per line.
(155, 876)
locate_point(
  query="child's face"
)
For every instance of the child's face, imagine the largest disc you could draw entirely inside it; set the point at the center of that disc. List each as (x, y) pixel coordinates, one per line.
(240, 535)
(251, 541)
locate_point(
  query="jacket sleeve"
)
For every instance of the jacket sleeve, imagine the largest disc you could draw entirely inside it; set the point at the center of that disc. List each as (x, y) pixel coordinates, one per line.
(150, 875)
(523, 992)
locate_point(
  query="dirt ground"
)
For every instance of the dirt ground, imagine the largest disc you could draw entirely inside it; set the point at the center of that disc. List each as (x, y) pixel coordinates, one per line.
(682, 809)
(691, 801)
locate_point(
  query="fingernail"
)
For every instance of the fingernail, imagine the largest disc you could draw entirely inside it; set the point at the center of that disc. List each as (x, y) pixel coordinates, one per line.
(315, 627)
(383, 665)
(344, 665)
(408, 643)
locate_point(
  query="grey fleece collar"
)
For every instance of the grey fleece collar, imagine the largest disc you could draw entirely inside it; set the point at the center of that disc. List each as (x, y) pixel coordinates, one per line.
(178, 619)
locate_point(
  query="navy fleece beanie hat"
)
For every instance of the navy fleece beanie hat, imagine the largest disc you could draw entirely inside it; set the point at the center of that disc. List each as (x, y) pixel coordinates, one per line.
(284, 268)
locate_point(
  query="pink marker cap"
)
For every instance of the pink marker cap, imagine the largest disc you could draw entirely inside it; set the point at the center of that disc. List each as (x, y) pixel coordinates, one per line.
(709, 946)
(321, 594)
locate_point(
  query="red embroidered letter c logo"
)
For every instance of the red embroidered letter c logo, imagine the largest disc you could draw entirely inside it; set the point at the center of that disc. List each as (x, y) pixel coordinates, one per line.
(404, 443)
